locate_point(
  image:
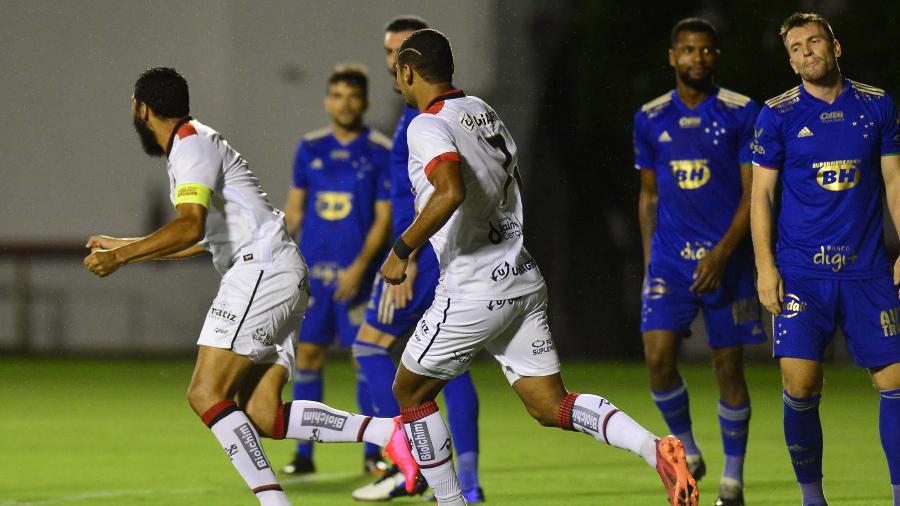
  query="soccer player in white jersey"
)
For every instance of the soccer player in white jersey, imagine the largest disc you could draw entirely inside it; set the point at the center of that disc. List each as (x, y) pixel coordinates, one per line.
(462, 164)
(246, 346)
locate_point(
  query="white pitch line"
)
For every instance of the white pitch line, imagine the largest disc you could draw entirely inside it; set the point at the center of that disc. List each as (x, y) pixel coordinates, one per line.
(107, 494)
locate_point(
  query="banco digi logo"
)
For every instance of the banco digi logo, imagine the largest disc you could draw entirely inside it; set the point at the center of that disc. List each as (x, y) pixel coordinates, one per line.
(690, 174)
(333, 206)
(837, 175)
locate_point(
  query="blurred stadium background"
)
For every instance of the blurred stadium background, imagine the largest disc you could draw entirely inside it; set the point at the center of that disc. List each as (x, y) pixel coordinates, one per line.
(566, 76)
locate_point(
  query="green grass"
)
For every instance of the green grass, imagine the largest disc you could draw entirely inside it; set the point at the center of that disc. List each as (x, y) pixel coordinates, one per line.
(86, 432)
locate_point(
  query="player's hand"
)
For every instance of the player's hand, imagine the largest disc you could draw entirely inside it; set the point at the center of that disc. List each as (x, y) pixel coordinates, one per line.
(402, 294)
(103, 262)
(709, 271)
(96, 242)
(393, 271)
(771, 289)
(348, 281)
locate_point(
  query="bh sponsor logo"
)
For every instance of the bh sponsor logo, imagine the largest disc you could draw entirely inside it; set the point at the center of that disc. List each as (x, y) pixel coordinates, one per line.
(837, 175)
(506, 228)
(334, 206)
(251, 445)
(890, 322)
(326, 272)
(834, 257)
(695, 251)
(792, 306)
(655, 288)
(470, 122)
(315, 417)
(421, 441)
(690, 174)
(586, 418)
(831, 117)
(503, 270)
(541, 346)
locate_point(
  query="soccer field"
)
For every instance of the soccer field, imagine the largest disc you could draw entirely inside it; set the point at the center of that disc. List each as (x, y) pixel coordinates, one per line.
(86, 432)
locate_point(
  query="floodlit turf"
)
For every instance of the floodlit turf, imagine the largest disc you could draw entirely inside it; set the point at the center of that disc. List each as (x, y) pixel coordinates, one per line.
(120, 433)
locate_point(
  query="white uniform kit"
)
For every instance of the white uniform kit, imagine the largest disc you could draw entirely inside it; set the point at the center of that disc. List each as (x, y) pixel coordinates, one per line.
(264, 289)
(491, 293)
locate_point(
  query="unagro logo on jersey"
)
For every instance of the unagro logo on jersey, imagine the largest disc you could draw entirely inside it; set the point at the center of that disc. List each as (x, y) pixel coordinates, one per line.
(837, 175)
(890, 322)
(469, 122)
(836, 257)
(695, 251)
(333, 206)
(792, 306)
(315, 417)
(690, 174)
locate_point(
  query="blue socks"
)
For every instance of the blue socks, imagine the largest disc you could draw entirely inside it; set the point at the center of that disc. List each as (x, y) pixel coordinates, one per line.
(462, 415)
(308, 386)
(803, 436)
(364, 400)
(379, 369)
(734, 421)
(889, 423)
(674, 405)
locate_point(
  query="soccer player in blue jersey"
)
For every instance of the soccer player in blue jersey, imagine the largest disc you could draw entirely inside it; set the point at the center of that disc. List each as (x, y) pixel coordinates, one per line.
(340, 201)
(692, 147)
(835, 144)
(394, 311)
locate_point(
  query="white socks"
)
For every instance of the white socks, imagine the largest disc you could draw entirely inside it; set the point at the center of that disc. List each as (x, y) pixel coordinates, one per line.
(599, 418)
(432, 449)
(314, 421)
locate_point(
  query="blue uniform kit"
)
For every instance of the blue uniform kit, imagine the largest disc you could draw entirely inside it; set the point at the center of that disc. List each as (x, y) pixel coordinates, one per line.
(697, 156)
(830, 249)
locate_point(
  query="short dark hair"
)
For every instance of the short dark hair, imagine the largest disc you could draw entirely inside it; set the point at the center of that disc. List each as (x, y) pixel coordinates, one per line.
(405, 24)
(165, 91)
(428, 51)
(698, 25)
(352, 74)
(804, 18)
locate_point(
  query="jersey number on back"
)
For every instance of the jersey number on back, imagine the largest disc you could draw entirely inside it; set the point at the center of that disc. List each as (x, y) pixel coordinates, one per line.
(498, 142)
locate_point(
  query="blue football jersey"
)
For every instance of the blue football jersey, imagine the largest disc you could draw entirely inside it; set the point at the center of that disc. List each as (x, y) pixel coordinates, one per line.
(696, 154)
(343, 182)
(831, 222)
(402, 197)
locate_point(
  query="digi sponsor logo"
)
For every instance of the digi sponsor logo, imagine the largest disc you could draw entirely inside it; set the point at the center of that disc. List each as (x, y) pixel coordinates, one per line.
(792, 306)
(890, 322)
(837, 175)
(745, 310)
(506, 228)
(333, 206)
(655, 288)
(470, 122)
(834, 257)
(503, 270)
(695, 251)
(251, 445)
(831, 117)
(689, 122)
(315, 417)
(690, 174)
(586, 418)
(421, 440)
(541, 346)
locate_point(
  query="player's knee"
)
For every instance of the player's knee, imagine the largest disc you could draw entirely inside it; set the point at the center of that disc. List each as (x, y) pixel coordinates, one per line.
(802, 387)
(262, 413)
(310, 357)
(201, 397)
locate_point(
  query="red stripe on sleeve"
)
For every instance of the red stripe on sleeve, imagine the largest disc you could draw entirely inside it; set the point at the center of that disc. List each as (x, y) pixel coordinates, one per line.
(186, 130)
(450, 156)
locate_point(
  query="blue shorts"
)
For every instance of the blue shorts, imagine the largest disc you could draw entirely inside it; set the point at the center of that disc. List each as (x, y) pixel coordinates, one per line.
(399, 322)
(326, 318)
(868, 311)
(731, 312)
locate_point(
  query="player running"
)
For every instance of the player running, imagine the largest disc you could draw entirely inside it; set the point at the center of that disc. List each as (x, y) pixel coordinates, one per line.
(827, 139)
(246, 346)
(339, 201)
(394, 310)
(692, 147)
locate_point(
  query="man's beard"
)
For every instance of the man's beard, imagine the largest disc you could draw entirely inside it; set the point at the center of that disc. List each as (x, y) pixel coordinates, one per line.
(148, 139)
(704, 83)
(822, 75)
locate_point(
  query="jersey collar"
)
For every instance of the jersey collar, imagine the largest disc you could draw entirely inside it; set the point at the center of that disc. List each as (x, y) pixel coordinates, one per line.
(182, 121)
(435, 105)
(706, 101)
(806, 95)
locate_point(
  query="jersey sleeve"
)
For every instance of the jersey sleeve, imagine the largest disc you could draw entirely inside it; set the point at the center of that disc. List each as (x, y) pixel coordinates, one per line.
(383, 176)
(890, 128)
(431, 142)
(644, 157)
(768, 145)
(301, 165)
(196, 168)
(748, 120)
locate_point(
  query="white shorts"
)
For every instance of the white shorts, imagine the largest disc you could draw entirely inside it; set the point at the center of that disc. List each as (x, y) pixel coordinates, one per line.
(257, 314)
(515, 331)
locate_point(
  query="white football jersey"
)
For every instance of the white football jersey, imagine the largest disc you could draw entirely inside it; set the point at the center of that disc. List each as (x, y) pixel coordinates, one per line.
(241, 224)
(480, 248)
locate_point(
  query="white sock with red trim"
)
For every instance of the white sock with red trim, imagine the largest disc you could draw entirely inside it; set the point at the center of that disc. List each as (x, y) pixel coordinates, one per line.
(599, 418)
(432, 449)
(241, 443)
(314, 421)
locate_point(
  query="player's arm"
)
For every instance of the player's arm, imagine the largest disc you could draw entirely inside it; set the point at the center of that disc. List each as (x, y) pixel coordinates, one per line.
(890, 171)
(377, 236)
(175, 237)
(449, 193)
(647, 205)
(294, 207)
(711, 268)
(762, 199)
